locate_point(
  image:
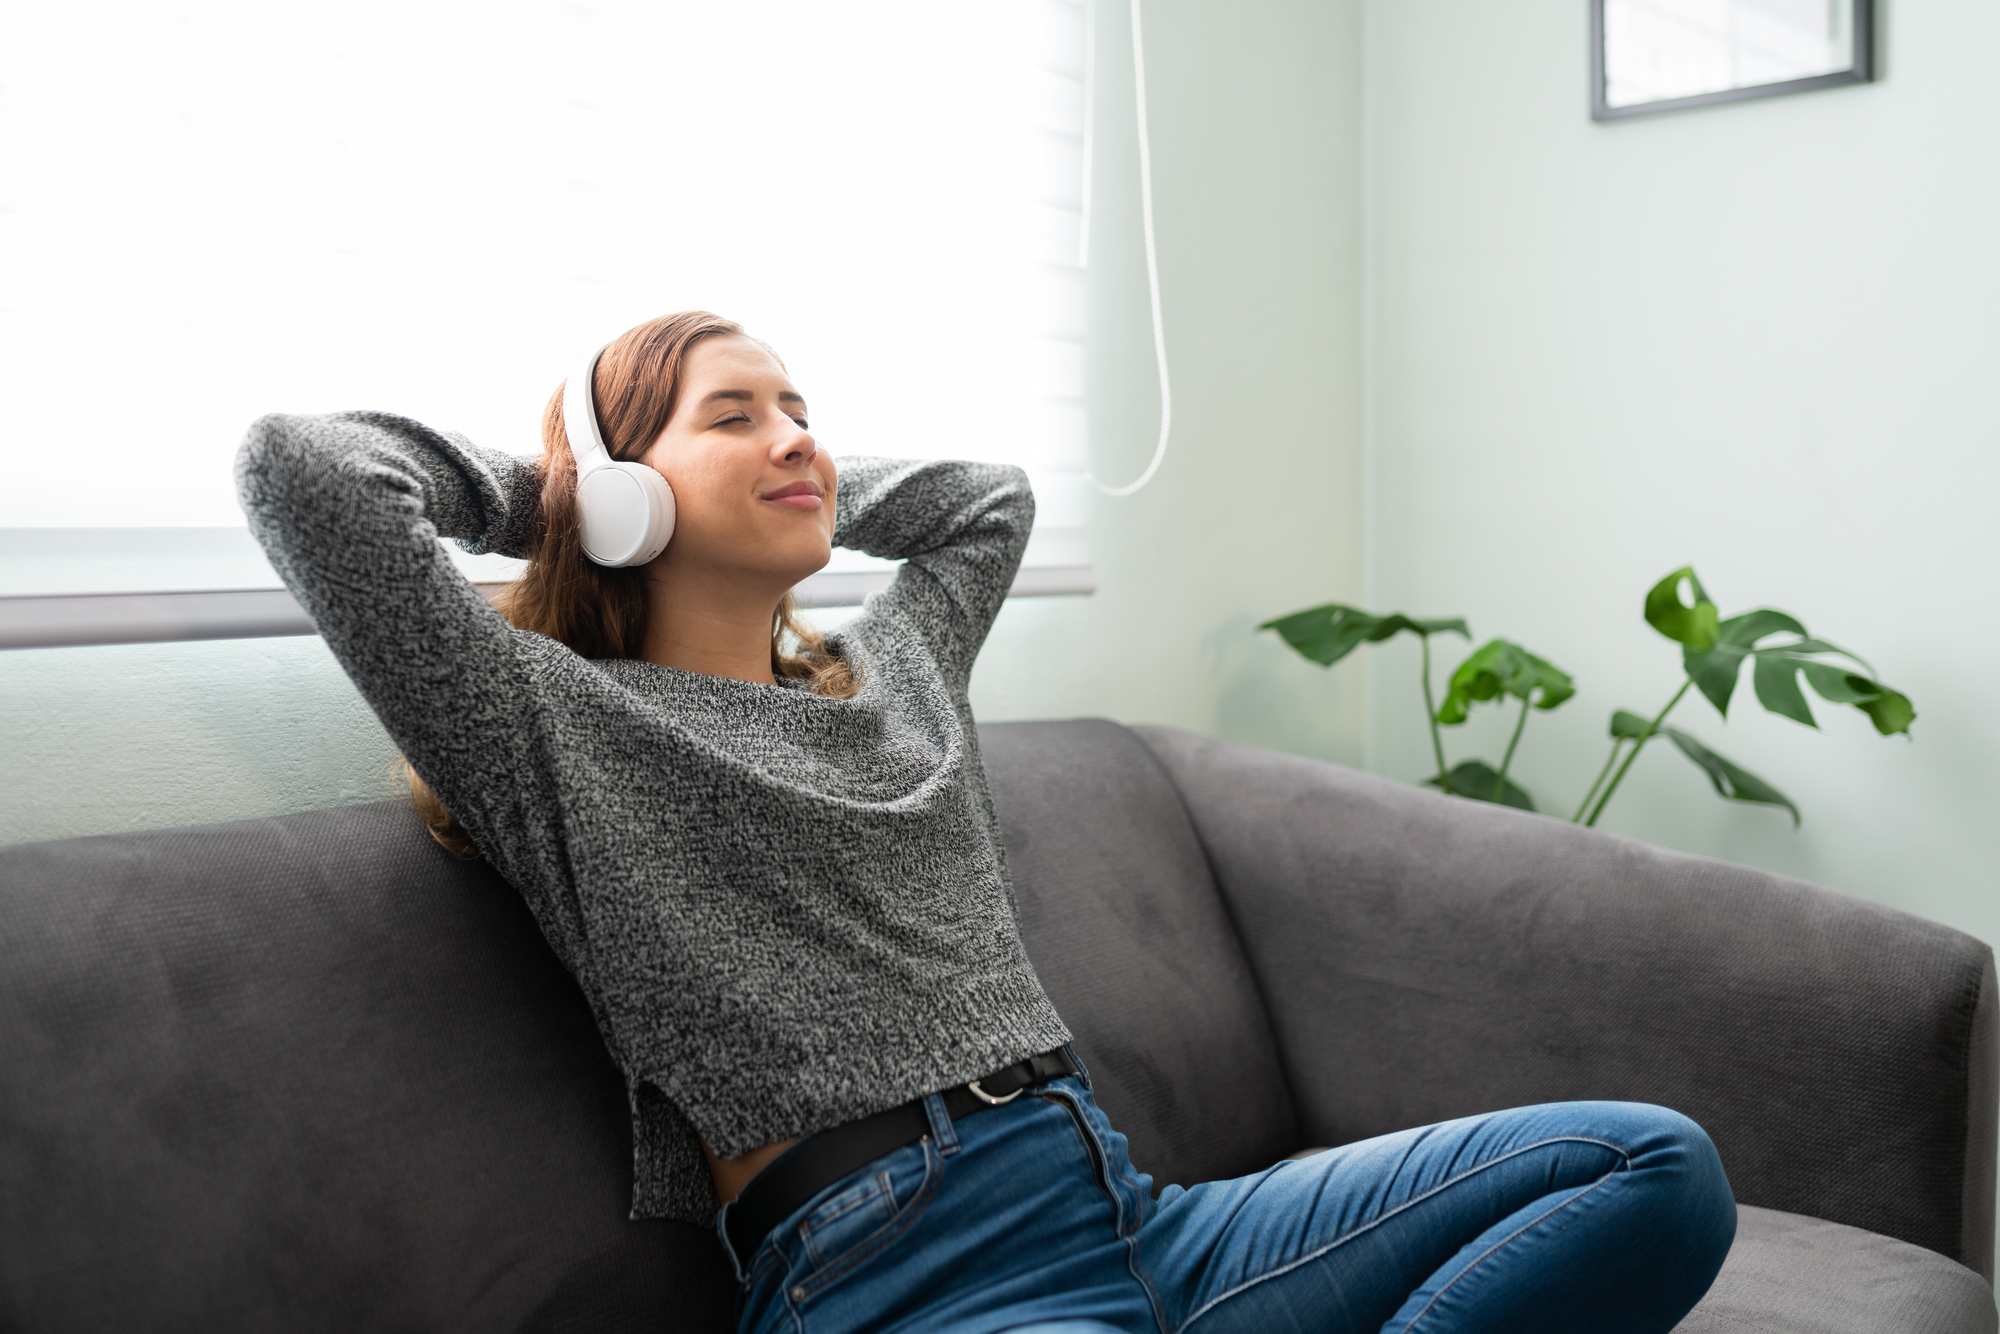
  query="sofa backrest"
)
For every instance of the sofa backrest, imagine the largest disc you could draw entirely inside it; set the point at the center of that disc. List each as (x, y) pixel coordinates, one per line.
(1427, 958)
(311, 1073)
(1129, 933)
(306, 1073)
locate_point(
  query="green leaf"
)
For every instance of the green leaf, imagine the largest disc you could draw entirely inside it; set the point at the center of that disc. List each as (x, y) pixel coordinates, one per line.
(1329, 633)
(1694, 626)
(1714, 670)
(1779, 667)
(1777, 680)
(1478, 779)
(1805, 645)
(1731, 780)
(1751, 626)
(1500, 667)
(1890, 710)
(1714, 673)
(1834, 683)
(1627, 725)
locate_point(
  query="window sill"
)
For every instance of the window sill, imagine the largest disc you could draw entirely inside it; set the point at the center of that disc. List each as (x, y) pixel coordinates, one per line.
(69, 620)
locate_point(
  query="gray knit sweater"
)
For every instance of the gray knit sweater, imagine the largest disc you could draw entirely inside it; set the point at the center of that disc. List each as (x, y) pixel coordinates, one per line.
(787, 911)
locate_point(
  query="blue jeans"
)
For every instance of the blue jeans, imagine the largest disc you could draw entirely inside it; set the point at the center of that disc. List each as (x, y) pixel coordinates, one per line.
(1605, 1217)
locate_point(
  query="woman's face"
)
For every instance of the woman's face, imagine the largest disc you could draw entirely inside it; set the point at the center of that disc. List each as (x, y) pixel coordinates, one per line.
(753, 494)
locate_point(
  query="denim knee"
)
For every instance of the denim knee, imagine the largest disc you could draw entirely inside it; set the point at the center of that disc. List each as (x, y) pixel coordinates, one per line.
(1696, 1202)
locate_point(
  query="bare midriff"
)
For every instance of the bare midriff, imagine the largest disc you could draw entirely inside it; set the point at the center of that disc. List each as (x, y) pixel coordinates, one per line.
(733, 1174)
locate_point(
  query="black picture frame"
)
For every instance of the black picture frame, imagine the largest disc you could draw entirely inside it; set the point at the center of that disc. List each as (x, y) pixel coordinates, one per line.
(1862, 71)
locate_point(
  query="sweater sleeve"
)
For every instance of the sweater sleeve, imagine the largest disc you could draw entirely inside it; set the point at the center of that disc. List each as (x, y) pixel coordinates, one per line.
(349, 508)
(959, 528)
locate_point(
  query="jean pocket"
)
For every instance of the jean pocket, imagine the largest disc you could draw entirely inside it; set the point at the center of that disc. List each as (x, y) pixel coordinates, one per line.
(861, 1219)
(847, 1219)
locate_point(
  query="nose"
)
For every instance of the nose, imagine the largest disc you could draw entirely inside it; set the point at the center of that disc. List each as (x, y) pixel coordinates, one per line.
(795, 447)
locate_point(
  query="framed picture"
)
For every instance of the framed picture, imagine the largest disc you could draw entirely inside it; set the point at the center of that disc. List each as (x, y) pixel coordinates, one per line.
(1648, 56)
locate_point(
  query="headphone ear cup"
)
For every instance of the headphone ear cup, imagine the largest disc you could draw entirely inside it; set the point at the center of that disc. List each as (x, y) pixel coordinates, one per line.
(626, 514)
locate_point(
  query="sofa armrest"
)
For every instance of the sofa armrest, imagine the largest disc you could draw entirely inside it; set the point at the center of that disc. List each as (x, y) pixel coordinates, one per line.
(1425, 958)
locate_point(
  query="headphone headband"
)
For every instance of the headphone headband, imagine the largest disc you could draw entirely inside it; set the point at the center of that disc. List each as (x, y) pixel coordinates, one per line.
(586, 441)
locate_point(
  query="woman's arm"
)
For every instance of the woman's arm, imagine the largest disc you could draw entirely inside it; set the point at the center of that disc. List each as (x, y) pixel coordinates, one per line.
(349, 508)
(959, 528)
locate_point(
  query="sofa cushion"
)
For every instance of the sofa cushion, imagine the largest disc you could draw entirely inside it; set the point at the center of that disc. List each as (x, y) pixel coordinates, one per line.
(1428, 957)
(1128, 932)
(309, 1073)
(1789, 1274)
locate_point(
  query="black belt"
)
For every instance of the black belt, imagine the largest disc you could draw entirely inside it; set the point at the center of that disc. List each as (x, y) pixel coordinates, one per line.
(816, 1162)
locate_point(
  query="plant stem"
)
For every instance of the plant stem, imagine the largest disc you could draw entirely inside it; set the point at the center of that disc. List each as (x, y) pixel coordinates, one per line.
(1617, 744)
(1500, 779)
(1431, 717)
(1637, 746)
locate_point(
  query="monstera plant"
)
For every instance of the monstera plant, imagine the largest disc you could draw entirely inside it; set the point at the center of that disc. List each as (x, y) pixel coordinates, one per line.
(1713, 652)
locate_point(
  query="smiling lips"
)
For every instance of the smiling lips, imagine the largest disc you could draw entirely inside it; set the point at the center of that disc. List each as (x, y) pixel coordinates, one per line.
(801, 495)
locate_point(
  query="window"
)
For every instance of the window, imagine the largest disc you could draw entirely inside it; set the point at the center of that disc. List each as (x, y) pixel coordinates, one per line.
(219, 208)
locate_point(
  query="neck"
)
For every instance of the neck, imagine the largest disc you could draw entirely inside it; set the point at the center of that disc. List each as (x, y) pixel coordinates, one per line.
(714, 623)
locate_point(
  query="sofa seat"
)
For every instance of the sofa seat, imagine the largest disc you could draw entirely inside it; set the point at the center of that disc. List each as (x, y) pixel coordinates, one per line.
(1789, 1274)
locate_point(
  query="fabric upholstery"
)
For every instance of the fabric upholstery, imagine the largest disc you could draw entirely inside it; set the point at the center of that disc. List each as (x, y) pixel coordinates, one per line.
(310, 1073)
(1982, 1145)
(1125, 927)
(1788, 1274)
(1426, 958)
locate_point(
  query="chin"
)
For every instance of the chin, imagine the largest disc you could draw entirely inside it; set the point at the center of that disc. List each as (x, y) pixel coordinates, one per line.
(807, 565)
(818, 554)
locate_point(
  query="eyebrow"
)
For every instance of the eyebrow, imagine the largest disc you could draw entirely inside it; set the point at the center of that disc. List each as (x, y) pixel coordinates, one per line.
(745, 396)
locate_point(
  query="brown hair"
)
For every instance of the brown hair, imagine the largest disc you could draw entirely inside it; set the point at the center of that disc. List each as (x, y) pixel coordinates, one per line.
(599, 611)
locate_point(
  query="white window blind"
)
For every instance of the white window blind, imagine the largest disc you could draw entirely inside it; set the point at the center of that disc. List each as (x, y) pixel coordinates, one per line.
(211, 209)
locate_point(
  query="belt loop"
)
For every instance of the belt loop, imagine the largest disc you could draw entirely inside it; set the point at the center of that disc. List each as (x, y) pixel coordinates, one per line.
(722, 1231)
(1082, 1070)
(942, 1129)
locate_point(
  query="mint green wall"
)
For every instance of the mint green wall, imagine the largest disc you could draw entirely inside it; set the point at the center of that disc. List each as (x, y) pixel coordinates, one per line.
(97, 740)
(1759, 338)
(1255, 119)
(1256, 150)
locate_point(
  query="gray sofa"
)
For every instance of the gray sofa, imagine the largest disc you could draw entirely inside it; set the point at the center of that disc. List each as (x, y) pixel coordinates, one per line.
(310, 1073)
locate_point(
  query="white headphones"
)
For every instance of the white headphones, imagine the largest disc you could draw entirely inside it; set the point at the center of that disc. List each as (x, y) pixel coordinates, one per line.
(626, 510)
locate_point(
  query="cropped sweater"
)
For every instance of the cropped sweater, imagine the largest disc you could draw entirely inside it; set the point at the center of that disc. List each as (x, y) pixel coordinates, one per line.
(786, 911)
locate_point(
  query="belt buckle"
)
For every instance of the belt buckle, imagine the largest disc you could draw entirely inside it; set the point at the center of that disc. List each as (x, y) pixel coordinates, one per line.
(989, 1099)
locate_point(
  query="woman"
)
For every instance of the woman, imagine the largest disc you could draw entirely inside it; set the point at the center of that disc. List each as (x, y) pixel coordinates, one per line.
(771, 862)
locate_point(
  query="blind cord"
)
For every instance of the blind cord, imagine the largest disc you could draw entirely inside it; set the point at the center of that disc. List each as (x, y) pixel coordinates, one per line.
(1152, 257)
